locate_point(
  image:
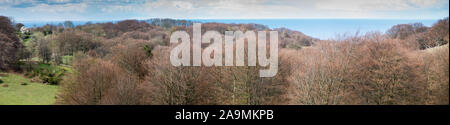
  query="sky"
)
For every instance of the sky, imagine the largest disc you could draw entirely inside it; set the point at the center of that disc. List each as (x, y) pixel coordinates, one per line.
(101, 10)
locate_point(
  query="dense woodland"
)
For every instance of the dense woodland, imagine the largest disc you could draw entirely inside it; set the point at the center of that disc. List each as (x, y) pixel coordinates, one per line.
(128, 63)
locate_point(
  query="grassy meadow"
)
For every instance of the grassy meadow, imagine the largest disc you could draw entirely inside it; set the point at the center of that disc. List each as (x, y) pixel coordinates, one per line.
(30, 94)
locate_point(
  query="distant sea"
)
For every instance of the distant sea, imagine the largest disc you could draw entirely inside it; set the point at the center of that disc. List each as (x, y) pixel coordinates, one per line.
(318, 28)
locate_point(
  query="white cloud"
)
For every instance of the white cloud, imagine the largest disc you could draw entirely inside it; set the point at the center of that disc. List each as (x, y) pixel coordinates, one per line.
(119, 8)
(64, 8)
(15, 2)
(425, 3)
(59, 1)
(169, 5)
(182, 5)
(376, 5)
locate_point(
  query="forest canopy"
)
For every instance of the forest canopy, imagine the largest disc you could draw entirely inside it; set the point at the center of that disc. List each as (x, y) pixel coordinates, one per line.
(127, 63)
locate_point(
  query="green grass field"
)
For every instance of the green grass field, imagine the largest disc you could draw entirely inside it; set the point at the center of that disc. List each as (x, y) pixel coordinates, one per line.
(31, 94)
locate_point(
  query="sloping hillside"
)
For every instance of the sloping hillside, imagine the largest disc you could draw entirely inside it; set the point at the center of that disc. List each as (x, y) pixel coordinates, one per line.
(434, 49)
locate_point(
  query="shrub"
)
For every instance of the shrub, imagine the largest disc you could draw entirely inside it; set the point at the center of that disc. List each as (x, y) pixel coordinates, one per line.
(52, 76)
(436, 71)
(132, 56)
(388, 73)
(169, 85)
(46, 74)
(320, 74)
(99, 82)
(358, 70)
(437, 35)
